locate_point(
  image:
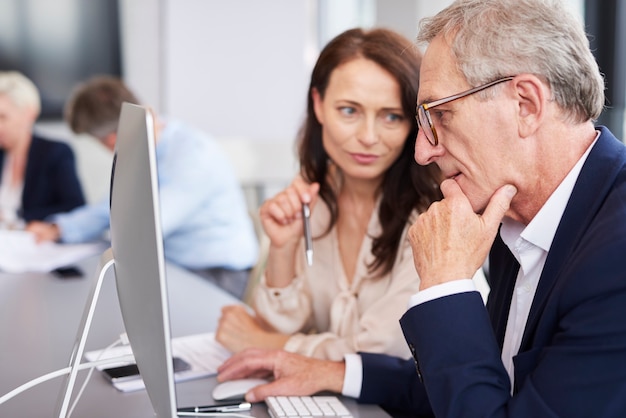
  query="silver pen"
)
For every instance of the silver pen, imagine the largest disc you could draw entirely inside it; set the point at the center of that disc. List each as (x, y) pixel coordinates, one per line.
(236, 407)
(308, 240)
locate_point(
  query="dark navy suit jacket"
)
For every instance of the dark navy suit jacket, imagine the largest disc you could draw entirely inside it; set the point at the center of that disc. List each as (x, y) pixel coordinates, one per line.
(51, 184)
(572, 359)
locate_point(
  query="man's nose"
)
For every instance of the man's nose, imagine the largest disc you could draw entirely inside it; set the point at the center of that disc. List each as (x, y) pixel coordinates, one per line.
(425, 152)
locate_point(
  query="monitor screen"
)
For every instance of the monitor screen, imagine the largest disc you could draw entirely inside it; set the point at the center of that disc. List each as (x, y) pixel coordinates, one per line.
(137, 246)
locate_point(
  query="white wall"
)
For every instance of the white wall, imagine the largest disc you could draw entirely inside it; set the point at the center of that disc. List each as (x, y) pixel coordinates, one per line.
(236, 69)
(142, 57)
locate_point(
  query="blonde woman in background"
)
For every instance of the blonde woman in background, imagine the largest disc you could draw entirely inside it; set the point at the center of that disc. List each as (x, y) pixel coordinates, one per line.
(37, 176)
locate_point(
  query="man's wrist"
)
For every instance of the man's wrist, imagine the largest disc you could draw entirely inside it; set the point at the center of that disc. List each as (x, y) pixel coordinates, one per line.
(441, 290)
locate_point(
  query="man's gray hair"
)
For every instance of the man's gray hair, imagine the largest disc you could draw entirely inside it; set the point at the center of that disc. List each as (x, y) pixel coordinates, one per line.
(496, 38)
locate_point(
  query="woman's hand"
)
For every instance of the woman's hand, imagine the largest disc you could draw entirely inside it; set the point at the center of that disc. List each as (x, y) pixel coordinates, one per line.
(281, 215)
(238, 330)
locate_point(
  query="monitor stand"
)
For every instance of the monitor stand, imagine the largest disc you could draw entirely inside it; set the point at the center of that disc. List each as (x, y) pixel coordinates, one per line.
(106, 261)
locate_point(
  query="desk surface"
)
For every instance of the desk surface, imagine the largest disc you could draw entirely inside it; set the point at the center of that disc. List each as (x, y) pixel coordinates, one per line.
(39, 319)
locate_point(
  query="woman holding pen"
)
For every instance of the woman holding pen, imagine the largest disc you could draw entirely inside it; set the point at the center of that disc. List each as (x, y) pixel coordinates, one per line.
(363, 188)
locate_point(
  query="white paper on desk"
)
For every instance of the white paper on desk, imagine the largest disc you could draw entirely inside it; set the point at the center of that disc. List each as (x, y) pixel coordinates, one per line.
(203, 353)
(20, 253)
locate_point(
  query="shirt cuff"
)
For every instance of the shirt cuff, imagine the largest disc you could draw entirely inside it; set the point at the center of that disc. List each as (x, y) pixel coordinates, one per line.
(353, 378)
(441, 290)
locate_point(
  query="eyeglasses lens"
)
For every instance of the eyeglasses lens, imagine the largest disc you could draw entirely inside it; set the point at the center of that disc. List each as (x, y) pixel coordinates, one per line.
(426, 125)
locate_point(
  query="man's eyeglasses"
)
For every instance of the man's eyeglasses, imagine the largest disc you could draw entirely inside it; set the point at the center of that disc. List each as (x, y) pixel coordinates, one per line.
(424, 121)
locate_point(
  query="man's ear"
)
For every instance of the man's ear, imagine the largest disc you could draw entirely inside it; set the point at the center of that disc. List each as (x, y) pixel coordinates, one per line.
(532, 96)
(109, 140)
(317, 105)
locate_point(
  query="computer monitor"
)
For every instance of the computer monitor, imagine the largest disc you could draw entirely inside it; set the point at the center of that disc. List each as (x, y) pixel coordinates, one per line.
(137, 256)
(137, 246)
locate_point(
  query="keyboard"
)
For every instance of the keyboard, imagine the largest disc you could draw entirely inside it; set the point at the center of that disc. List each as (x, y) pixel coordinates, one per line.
(306, 406)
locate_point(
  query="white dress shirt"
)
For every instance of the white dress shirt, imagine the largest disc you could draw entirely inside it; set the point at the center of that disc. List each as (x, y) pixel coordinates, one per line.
(10, 196)
(530, 245)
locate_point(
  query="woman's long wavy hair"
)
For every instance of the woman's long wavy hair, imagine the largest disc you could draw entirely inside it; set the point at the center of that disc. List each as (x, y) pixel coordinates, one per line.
(406, 186)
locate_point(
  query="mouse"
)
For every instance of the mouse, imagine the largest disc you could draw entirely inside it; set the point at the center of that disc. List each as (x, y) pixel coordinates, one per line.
(235, 389)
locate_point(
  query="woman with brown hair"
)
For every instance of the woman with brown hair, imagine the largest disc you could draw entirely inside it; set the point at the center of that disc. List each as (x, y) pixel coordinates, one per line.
(364, 189)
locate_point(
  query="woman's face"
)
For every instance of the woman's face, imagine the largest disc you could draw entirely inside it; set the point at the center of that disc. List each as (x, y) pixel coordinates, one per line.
(363, 124)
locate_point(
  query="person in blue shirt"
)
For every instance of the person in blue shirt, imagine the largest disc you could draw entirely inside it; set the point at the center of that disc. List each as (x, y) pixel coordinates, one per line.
(37, 175)
(205, 222)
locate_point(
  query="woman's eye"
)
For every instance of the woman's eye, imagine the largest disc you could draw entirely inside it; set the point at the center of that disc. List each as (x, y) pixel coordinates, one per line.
(346, 110)
(394, 117)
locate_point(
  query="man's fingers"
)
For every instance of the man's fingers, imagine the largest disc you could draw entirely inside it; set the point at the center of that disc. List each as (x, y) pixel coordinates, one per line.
(237, 366)
(259, 393)
(498, 205)
(449, 187)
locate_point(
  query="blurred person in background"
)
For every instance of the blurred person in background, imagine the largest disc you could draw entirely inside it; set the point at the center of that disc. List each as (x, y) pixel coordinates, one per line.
(37, 175)
(205, 222)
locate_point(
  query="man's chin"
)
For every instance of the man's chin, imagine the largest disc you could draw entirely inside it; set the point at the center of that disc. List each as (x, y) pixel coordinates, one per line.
(478, 204)
(477, 200)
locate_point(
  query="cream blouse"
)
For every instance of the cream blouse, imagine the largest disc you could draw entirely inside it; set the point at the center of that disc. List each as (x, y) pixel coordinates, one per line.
(329, 317)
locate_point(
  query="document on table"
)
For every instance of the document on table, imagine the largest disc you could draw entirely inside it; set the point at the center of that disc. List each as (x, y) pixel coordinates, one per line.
(20, 253)
(201, 351)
